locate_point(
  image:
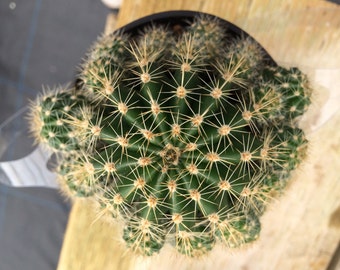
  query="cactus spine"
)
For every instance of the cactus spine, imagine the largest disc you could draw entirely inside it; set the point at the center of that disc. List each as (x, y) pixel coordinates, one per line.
(183, 136)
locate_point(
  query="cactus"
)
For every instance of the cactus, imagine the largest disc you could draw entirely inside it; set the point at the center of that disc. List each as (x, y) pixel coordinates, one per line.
(48, 115)
(183, 135)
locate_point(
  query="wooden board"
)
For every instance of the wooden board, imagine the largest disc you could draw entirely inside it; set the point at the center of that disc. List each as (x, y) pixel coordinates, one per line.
(302, 229)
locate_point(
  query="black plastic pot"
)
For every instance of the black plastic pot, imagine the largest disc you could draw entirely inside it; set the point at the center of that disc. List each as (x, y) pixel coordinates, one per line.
(177, 19)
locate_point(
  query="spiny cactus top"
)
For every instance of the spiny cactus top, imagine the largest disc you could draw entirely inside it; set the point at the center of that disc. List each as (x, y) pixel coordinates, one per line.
(183, 135)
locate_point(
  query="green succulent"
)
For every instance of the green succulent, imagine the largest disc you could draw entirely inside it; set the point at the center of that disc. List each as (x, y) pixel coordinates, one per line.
(183, 135)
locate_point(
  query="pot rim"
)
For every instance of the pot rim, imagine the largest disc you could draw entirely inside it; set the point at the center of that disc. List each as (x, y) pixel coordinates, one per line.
(181, 17)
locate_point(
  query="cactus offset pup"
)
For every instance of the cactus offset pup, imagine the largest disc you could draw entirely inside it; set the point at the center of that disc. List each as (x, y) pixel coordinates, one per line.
(184, 136)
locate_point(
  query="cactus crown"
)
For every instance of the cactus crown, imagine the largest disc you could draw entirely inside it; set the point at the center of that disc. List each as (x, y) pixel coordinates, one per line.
(183, 135)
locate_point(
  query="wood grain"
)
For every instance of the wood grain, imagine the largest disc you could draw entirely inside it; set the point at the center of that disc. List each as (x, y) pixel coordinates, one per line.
(302, 32)
(302, 229)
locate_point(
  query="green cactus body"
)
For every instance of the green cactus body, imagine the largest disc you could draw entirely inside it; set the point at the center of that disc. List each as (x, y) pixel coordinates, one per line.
(50, 114)
(194, 132)
(293, 89)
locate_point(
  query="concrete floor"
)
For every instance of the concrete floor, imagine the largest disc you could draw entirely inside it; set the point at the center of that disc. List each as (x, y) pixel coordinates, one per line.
(41, 44)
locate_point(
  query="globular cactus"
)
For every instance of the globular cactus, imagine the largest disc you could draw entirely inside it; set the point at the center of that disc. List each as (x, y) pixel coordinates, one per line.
(184, 135)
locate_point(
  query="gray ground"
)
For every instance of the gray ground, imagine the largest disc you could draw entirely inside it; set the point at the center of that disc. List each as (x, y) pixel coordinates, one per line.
(41, 44)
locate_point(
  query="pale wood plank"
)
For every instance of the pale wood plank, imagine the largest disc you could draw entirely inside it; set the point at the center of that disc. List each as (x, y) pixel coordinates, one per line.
(303, 31)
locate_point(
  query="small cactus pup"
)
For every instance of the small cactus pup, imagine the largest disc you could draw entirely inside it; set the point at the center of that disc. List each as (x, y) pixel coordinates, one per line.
(49, 115)
(181, 131)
